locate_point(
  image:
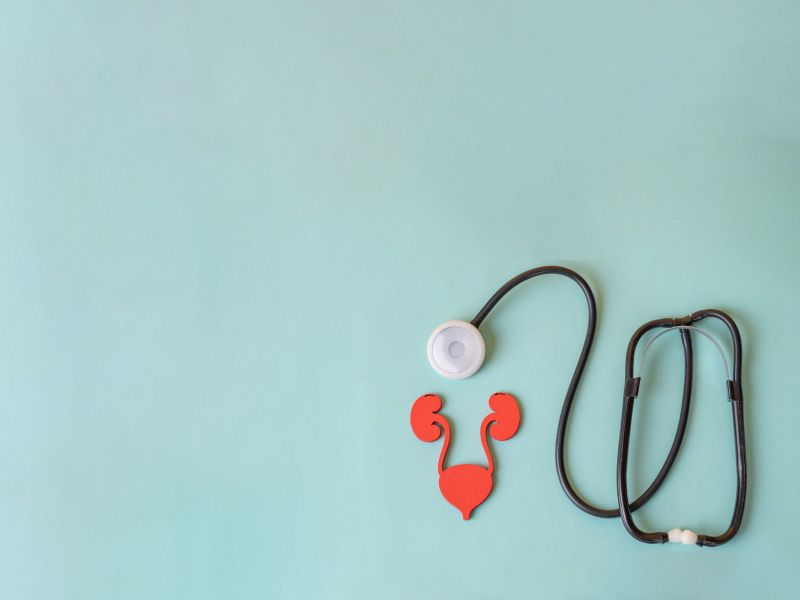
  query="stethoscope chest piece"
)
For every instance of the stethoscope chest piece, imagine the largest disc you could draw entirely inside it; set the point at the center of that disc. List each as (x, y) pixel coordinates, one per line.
(456, 349)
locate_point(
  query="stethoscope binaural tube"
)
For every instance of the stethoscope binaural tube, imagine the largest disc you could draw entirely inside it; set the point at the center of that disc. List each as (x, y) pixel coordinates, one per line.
(563, 478)
(734, 387)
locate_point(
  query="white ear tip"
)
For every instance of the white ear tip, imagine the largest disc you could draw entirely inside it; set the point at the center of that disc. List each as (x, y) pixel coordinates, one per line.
(688, 537)
(674, 535)
(456, 349)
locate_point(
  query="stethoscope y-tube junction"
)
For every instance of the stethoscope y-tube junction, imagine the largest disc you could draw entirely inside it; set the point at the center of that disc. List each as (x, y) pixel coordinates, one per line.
(631, 391)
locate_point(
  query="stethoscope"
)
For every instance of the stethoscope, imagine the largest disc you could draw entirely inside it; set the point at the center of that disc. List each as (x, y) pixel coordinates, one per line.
(456, 350)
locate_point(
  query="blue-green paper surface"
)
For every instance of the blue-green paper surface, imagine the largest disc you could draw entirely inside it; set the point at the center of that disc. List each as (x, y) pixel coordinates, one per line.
(228, 228)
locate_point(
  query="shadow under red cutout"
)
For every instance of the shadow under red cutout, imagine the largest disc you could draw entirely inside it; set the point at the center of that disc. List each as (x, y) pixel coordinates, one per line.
(465, 486)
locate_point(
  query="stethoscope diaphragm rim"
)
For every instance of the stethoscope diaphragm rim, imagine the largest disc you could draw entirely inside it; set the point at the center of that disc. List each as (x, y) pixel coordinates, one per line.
(472, 338)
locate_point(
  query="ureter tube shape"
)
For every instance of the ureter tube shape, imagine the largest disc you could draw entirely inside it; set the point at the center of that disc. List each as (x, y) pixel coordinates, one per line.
(563, 421)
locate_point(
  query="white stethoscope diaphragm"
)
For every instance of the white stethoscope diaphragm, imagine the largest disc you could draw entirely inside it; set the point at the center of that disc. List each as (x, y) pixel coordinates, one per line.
(456, 349)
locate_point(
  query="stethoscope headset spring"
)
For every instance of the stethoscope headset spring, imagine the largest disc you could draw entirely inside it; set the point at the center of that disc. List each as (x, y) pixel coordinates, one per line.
(456, 350)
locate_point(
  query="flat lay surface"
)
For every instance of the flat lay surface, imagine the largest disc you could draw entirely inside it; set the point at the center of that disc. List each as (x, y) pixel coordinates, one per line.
(227, 231)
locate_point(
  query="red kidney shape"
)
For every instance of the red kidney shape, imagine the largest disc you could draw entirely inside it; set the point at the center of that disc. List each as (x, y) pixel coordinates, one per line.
(506, 416)
(424, 417)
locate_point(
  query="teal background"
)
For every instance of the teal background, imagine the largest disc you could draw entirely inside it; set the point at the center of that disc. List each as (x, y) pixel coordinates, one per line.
(227, 230)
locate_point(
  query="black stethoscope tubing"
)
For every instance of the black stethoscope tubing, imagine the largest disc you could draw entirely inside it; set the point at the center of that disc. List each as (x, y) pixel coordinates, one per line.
(563, 478)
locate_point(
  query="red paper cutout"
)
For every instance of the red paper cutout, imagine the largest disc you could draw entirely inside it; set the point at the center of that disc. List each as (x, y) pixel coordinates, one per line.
(465, 486)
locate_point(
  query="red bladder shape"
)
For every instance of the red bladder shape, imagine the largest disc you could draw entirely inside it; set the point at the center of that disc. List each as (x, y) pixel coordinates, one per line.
(465, 486)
